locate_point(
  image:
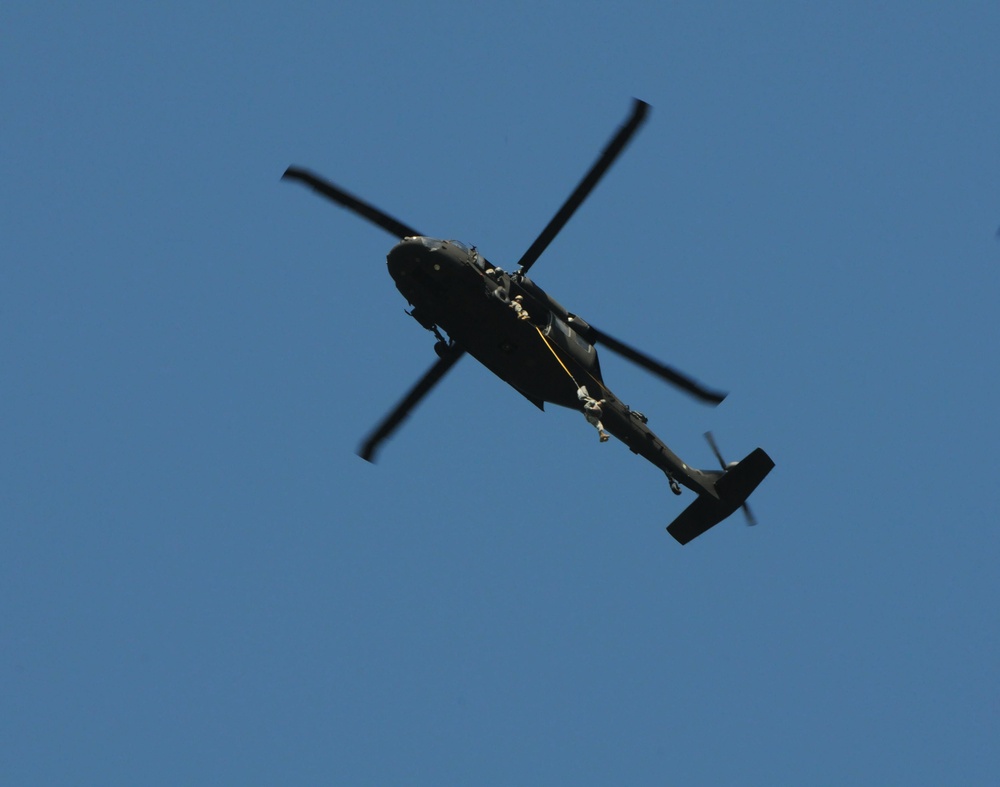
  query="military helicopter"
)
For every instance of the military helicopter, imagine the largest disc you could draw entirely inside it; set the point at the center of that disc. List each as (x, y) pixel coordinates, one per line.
(545, 352)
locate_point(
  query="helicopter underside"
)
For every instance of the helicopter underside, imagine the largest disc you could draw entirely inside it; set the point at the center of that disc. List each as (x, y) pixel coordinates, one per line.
(447, 292)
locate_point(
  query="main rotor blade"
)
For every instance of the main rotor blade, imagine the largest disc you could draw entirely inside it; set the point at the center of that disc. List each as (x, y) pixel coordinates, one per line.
(408, 402)
(611, 152)
(349, 201)
(661, 370)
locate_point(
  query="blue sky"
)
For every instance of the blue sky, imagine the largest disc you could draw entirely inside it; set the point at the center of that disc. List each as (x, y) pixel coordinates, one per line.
(201, 583)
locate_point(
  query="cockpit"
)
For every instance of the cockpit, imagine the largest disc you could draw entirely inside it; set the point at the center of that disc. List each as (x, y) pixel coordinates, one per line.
(471, 252)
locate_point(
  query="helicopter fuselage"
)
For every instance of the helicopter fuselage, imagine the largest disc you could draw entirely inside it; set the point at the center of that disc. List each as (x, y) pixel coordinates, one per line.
(522, 335)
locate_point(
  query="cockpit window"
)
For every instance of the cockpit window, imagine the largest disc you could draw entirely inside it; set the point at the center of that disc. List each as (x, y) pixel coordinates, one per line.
(476, 260)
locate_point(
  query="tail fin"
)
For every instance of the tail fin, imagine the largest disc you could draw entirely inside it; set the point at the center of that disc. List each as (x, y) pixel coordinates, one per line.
(734, 487)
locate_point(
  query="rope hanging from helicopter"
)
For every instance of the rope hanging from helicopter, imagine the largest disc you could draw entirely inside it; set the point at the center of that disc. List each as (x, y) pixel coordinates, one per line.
(556, 355)
(591, 406)
(518, 305)
(563, 365)
(569, 374)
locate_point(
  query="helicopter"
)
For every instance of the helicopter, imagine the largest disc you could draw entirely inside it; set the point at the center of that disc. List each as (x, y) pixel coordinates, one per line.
(545, 352)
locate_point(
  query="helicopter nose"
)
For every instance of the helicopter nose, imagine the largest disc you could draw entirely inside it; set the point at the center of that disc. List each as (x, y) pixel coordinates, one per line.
(415, 254)
(406, 255)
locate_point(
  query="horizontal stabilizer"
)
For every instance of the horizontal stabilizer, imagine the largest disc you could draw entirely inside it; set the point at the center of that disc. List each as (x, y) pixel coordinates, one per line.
(734, 488)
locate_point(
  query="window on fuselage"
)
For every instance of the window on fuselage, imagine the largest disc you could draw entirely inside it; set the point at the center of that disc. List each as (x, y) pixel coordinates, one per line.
(478, 261)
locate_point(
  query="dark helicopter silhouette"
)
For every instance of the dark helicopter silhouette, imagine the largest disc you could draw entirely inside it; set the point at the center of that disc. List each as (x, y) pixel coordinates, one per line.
(530, 341)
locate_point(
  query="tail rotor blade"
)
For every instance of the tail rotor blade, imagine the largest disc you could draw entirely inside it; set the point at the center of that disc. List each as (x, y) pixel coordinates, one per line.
(661, 370)
(715, 449)
(607, 158)
(751, 519)
(349, 201)
(399, 413)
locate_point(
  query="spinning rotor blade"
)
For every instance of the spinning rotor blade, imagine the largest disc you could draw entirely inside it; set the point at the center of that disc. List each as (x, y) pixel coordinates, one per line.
(408, 402)
(751, 519)
(662, 371)
(611, 152)
(715, 449)
(349, 201)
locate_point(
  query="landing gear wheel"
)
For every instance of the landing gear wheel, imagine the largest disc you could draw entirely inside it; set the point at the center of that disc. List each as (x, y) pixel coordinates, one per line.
(446, 349)
(674, 486)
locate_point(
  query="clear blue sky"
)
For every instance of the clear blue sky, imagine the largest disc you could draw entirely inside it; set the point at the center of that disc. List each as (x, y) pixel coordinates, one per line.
(201, 583)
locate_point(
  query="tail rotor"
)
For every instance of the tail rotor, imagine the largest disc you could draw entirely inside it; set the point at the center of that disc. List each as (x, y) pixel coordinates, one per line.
(751, 519)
